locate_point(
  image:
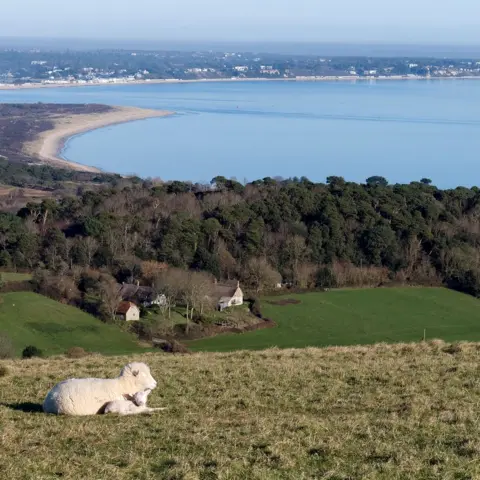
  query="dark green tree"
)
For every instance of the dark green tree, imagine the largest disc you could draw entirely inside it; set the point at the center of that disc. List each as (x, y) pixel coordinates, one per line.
(377, 181)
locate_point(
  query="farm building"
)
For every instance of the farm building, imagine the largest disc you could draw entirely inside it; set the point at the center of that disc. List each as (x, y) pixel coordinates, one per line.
(128, 311)
(227, 294)
(145, 296)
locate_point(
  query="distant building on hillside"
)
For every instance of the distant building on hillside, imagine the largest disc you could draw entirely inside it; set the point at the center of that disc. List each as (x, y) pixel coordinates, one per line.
(227, 294)
(145, 296)
(128, 311)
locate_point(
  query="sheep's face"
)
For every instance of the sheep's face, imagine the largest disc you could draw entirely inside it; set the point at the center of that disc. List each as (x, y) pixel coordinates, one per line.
(140, 398)
(141, 375)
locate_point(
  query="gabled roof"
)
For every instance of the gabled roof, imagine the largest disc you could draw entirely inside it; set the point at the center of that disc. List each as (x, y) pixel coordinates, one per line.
(124, 307)
(135, 293)
(225, 290)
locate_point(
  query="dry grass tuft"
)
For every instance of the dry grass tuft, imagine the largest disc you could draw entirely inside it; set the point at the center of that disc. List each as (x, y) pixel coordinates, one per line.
(76, 352)
(380, 412)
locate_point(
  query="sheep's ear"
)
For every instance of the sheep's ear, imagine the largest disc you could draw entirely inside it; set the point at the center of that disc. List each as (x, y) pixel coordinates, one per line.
(135, 373)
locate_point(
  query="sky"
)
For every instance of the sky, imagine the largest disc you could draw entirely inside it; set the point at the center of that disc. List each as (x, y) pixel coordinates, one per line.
(406, 21)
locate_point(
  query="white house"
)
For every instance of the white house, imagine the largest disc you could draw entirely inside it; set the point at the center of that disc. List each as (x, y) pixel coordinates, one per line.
(128, 311)
(228, 295)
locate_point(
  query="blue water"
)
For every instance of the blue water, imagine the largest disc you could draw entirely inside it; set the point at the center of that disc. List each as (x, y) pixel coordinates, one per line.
(401, 130)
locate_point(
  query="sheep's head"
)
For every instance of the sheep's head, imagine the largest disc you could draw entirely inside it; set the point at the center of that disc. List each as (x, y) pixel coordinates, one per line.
(140, 398)
(139, 374)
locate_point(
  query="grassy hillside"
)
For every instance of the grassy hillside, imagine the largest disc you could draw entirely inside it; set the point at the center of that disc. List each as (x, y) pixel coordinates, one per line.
(385, 412)
(31, 319)
(349, 317)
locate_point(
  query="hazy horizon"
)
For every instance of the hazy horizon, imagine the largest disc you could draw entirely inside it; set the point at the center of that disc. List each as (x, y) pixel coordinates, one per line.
(406, 21)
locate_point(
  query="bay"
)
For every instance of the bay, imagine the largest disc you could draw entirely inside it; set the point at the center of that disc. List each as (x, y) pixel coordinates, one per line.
(403, 130)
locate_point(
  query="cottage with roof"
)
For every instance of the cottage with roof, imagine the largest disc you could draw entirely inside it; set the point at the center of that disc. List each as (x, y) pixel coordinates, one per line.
(227, 294)
(145, 296)
(128, 311)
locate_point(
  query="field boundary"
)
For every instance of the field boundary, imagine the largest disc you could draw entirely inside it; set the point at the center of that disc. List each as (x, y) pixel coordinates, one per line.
(18, 286)
(391, 284)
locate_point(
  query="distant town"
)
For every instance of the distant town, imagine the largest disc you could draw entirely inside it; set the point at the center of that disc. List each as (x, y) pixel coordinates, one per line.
(36, 66)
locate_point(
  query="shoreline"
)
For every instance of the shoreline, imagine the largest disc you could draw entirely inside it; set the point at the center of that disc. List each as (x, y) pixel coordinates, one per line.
(47, 147)
(29, 86)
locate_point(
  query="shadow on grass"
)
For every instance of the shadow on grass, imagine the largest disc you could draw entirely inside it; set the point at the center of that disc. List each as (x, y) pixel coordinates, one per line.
(27, 407)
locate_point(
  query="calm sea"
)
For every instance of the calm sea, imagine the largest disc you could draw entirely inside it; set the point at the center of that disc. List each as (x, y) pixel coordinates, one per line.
(403, 130)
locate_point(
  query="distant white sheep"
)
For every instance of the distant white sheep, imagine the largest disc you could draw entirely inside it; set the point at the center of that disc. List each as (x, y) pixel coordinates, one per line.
(89, 396)
(131, 405)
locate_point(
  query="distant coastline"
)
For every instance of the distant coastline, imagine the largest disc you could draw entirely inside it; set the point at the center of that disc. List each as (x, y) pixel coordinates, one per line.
(48, 145)
(167, 81)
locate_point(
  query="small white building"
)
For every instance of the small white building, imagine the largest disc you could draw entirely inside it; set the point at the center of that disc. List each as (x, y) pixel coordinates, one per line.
(228, 295)
(128, 311)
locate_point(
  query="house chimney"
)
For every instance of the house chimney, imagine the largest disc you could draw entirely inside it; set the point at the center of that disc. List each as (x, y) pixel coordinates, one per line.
(238, 283)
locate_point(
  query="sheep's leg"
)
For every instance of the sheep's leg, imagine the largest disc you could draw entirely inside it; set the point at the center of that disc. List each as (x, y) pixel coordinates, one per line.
(134, 410)
(145, 409)
(140, 410)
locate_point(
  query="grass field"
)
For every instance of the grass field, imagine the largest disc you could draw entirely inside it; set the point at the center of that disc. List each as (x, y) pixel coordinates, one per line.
(349, 317)
(389, 412)
(163, 321)
(31, 319)
(15, 277)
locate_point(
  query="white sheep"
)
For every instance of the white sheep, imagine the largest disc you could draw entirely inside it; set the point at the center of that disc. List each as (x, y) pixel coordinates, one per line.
(89, 396)
(131, 405)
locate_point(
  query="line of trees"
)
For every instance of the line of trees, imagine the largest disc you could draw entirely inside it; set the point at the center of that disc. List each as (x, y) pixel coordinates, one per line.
(304, 233)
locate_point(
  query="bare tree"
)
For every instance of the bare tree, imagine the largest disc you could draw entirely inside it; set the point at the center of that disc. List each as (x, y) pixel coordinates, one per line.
(91, 248)
(3, 240)
(170, 283)
(196, 293)
(31, 224)
(202, 289)
(59, 287)
(186, 297)
(296, 250)
(113, 241)
(110, 295)
(69, 246)
(192, 289)
(228, 264)
(260, 274)
(413, 253)
(305, 275)
(152, 269)
(126, 236)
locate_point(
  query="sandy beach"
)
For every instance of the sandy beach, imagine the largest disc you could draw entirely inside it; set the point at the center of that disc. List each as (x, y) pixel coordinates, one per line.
(49, 144)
